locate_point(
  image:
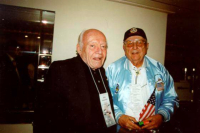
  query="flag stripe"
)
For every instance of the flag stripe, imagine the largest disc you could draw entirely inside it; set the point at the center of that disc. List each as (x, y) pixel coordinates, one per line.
(150, 112)
(142, 115)
(153, 112)
(143, 110)
(147, 112)
(149, 108)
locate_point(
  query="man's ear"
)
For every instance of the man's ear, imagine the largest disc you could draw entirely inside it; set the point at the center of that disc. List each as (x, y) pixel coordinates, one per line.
(124, 47)
(147, 46)
(78, 49)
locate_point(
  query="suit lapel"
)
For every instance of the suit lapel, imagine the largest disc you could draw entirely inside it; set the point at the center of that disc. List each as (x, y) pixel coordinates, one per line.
(82, 86)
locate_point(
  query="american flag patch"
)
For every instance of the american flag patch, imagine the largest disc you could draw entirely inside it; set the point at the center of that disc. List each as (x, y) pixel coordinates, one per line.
(160, 86)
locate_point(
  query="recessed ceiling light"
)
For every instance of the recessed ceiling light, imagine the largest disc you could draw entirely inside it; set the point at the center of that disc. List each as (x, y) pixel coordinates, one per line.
(44, 51)
(44, 21)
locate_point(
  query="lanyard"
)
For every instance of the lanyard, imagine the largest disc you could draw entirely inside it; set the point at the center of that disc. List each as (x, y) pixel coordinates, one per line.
(105, 103)
(95, 81)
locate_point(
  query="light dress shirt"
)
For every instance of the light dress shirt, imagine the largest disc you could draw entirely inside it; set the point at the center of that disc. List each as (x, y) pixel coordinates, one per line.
(139, 93)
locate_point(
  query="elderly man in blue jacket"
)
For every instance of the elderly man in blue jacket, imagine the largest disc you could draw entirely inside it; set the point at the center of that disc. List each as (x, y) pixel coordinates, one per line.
(142, 89)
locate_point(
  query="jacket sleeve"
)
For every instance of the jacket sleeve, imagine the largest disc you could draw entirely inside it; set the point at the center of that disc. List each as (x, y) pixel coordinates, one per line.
(112, 87)
(169, 99)
(47, 102)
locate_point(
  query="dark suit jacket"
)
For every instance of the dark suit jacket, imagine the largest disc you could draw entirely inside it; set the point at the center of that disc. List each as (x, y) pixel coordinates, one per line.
(9, 84)
(64, 104)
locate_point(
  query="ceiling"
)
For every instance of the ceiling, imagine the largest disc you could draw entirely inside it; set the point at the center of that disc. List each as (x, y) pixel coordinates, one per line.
(168, 6)
(190, 5)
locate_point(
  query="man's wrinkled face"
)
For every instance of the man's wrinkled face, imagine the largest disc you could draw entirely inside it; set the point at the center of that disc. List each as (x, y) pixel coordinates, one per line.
(94, 49)
(135, 49)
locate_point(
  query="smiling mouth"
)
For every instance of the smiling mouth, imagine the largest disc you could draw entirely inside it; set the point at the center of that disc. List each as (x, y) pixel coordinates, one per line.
(135, 52)
(97, 58)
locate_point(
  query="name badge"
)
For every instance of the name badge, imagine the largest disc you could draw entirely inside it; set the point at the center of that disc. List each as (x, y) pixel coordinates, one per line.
(106, 109)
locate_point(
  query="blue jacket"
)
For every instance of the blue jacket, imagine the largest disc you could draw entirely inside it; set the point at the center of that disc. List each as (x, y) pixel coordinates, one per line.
(118, 74)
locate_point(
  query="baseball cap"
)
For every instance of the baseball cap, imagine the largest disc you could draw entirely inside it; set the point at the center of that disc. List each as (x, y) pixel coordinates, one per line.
(134, 32)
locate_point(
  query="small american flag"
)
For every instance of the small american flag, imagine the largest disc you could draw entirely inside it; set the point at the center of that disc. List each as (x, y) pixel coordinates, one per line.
(149, 108)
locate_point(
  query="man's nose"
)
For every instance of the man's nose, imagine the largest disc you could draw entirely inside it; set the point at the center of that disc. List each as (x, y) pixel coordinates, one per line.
(99, 50)
(134, 45)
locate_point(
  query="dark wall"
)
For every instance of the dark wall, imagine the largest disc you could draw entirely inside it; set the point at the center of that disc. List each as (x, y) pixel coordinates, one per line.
(183, 51)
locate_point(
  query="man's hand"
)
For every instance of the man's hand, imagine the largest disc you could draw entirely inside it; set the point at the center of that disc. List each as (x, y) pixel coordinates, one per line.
(126, 121)
(154, 122)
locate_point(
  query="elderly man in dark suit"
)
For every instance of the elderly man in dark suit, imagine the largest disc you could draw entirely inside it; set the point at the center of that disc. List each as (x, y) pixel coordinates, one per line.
(76, 91)
(10, 81)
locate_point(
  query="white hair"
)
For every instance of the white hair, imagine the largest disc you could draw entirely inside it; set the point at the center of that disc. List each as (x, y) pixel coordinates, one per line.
(80, 39)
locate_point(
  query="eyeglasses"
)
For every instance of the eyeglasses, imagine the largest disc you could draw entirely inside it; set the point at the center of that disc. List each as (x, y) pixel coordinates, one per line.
(138, 42)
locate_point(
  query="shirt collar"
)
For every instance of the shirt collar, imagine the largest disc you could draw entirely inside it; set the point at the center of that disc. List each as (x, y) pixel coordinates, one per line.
(85, 66)
(132, 67)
